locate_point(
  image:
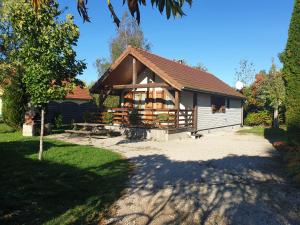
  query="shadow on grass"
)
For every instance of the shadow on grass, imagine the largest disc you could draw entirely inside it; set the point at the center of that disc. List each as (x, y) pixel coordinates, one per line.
(34, 192)
(275, 134)
(279, 134)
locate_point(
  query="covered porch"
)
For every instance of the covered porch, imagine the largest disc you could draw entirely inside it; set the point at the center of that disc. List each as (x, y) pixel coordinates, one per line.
(169, 119)
(146, 99)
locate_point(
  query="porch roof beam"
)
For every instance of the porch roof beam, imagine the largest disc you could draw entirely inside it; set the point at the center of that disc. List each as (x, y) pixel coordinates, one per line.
(133, 86)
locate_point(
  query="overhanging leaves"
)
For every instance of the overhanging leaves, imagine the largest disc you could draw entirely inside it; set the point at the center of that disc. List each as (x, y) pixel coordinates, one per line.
(171, 7)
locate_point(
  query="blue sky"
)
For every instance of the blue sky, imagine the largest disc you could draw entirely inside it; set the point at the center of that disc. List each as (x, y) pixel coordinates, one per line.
(217, 33)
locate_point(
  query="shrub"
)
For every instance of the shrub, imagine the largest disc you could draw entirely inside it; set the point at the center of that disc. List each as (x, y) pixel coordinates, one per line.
(58, 121)
(108, 117)
(163, 117)
(259, 118)
(134, 117)
(72, 123)
(87, 116)
(111, 101)
(14, 104)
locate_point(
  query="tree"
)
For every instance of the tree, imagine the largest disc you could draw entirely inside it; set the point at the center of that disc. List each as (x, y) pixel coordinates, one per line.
(272, 91)
(201, 67)
(253, 103)
(128, 33)
(245, 73)
(14, 97)
(7, 44)
(171, 7)
(45, 52)
(102, 65)
(291, 71)
(14, 103)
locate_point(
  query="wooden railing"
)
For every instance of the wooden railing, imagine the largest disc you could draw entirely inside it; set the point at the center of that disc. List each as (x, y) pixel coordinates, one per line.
(151, 118)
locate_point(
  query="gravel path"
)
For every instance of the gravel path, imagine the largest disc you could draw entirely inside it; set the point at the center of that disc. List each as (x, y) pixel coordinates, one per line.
(222, 178)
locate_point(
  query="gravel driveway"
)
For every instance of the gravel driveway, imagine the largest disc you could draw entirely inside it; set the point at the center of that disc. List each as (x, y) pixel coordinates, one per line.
(222, 178)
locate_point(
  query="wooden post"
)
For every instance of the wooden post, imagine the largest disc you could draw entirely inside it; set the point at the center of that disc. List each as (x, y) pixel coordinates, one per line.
(195, 110)
(177, 106)
(134, 75)
(176, 103)
(122, 102)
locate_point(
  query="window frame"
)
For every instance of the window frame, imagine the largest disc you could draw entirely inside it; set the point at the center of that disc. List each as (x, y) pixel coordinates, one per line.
(218, 104)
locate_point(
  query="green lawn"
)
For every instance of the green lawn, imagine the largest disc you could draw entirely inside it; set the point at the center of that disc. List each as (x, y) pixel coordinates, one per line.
(72, 185)
(267, 132)
(272, 134)
(5, 129)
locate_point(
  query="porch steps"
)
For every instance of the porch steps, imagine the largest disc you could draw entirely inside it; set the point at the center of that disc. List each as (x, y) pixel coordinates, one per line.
(195, 135)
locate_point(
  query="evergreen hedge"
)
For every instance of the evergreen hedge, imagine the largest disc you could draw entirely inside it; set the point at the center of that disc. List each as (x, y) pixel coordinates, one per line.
(291, 71)
(14, 104)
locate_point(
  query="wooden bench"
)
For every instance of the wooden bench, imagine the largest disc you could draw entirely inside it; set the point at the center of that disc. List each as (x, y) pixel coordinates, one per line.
(88, 129)
(85, 132)
(78, 131)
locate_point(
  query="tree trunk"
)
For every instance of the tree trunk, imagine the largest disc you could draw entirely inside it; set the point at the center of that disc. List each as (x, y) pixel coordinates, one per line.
(275, 118)
(42, 134)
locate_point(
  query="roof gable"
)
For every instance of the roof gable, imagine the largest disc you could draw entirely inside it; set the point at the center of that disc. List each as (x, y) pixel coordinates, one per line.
(178, 75)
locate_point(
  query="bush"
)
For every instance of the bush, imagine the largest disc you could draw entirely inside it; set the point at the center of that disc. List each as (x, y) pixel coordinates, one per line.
(163, 117)
(259, 118)
(14, 104)
(108, 117)
(134, 117)
(111, 101)
(87, 116)
(58, 121)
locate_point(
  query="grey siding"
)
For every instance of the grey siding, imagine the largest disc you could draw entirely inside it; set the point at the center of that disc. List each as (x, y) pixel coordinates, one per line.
(208, 120)
(186, 100)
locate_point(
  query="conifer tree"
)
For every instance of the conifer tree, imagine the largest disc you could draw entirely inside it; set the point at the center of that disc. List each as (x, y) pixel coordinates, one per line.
(291, 71)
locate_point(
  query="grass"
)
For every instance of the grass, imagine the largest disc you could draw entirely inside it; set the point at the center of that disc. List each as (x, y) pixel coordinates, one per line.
(72, 185)
(5, 128)
(272, 134)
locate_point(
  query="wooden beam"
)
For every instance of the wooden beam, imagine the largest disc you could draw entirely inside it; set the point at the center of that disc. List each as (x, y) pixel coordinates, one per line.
(195, 99)
(195, 110)
(133, 86)
(176, 102)
(177, 106)
(134, 73)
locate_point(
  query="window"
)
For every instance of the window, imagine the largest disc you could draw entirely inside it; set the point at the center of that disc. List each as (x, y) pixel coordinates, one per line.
(218, 104)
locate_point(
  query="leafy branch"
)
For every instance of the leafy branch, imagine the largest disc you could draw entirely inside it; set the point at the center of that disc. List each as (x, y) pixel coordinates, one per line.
(171, 7)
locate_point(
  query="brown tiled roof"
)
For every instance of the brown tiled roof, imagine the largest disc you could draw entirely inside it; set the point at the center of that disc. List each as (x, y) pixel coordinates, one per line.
(180, 76)
(79, 93)
(186, 77)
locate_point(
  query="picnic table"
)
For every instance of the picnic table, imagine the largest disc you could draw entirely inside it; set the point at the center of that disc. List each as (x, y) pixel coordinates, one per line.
(88, 129)
(90, 126)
